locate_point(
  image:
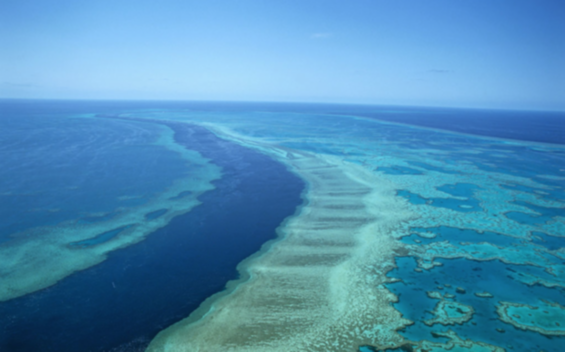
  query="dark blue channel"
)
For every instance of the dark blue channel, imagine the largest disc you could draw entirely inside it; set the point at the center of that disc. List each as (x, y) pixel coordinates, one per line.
(122, 303)
(431, 167)
(181, 195)
(155, 214)
(465, 206)
(549, 242)
(398, 170)
(101, 238)
(457, 235)
(546, 214)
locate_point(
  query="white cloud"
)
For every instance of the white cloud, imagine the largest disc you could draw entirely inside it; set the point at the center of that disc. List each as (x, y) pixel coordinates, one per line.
(321, 35)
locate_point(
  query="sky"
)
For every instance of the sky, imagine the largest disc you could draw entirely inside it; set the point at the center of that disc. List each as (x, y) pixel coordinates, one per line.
(467, 53)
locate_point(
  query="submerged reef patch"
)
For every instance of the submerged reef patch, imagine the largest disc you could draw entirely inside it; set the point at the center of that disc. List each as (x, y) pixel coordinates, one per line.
(448, 312)
(483, 294)
(455, 344)
(546, 318)
(466, 282)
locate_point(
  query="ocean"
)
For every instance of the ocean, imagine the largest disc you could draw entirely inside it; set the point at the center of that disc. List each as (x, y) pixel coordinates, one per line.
(128, 226)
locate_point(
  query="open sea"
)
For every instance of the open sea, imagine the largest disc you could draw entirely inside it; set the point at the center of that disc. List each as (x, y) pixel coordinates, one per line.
(119, 219)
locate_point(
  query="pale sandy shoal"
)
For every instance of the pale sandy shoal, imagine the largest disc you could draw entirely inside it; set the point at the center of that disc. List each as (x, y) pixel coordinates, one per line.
(319, 286)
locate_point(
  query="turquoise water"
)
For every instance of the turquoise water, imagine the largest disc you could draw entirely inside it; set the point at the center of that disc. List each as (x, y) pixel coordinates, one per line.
(489, 214)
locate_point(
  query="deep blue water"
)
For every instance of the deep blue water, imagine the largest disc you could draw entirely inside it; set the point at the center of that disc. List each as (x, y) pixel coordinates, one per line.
(535, 126)
(55, 168)
(121, 304)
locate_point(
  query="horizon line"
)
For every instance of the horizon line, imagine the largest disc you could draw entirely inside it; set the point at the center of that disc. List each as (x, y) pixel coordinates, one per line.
(463, 107)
